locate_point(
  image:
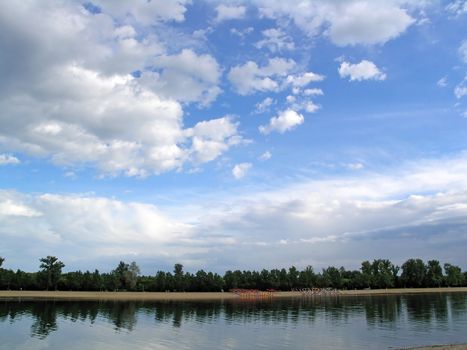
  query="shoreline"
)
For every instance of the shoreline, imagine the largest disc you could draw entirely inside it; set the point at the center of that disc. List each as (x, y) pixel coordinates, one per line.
(194, 296)
(440, 347)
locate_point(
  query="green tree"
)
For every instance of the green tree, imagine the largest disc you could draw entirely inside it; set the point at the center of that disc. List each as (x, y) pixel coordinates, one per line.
(434, 274)
(454, 276)
(307, 278)
(293, 277)
(119, 274)
(52, 270)
(1, 261)
(131, 276)
(178, 276)
(332, 277)
(413, 273)
(366, 278)
(382, 271)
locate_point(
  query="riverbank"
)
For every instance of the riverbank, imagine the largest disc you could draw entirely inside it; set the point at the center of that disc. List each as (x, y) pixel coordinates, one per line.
(203, 296)
(441, 347)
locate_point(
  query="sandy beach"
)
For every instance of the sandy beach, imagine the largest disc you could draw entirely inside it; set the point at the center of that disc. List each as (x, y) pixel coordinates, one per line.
(201, 296)
(441, 347)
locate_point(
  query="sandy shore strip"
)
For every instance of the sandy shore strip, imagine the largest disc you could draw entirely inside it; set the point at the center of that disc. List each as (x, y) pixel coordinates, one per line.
(441, 347)
(123, 296)
(203, 295)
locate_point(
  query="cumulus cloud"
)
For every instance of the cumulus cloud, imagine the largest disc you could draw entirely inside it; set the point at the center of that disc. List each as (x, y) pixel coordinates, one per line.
(80, 104)
(463, 50)
(249, 77)
(304, 79)
(461, 89)
(313, 92)
(264, 105)
(240, 170)
(275, 40)
(73, 226)
(212, 138)
(11, 208)
(145, 12)
(265, 156)
(365, 70)
(186, 77)
(229, 12)
(8, 159)
(443, 82)
(412, 210)
(457, 7)
(355, 166)
(301, 104)
(284, 121)
(345, 22)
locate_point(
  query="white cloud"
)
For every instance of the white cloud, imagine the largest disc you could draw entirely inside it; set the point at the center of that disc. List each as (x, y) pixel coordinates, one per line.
(355, 166)
(302, 104)
(368, 23)
(265, 156)
(240, 170)
(313, 92)
(461, 89)
(68, 95)
(285, 121)
(241, 33)
(345, 22)
(228, 12)
(458, 7)
(13, 207)
(145, 12)
(303, 79)
(75, 226)
(249, 78)
(463, 50)
(275, 40)
(264, 105)
(212, 138)
(185, 77)
(365, 70)
(443, 82)
(8, 159)
(401, 212)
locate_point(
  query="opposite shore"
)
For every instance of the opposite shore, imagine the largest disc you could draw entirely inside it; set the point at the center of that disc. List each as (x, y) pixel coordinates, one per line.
(155, 296)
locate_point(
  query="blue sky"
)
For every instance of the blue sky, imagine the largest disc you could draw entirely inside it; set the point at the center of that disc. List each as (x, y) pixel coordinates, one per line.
(232, 134)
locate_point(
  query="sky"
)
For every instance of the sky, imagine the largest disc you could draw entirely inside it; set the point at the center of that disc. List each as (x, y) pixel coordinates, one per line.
(234, 134)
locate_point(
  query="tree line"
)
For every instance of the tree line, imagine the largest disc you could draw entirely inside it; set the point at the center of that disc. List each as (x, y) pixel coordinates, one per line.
(379, 274)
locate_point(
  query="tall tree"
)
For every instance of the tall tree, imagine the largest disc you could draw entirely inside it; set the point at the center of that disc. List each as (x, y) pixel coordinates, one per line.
(293, 277)
(126, 275)
(131, 276)
(434, 274)
(1, 261)
(52, 270)
(383, 273)
(366, 277)
(178, 277)
(413, 273)
(454, 276)
(332, 277)
(119, 274)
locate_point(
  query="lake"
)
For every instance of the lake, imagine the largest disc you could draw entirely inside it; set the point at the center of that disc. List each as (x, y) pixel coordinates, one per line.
(372, 322)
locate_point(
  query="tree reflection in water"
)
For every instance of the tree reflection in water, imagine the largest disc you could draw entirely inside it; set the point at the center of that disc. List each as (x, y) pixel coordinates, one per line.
(378, 311)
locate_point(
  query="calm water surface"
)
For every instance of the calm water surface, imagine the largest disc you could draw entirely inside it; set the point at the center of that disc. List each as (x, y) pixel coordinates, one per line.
(378, 322)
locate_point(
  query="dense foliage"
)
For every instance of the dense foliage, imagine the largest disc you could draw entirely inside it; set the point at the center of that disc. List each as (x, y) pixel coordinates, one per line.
(380, 273)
